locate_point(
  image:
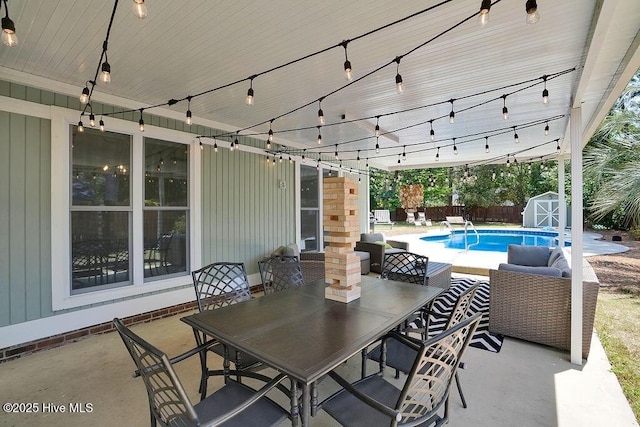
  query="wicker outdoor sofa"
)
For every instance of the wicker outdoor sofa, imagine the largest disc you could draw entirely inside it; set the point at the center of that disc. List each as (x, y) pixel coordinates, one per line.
(537, 307)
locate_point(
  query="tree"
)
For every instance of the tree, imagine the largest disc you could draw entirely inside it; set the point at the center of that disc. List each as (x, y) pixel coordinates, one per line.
(612, 164)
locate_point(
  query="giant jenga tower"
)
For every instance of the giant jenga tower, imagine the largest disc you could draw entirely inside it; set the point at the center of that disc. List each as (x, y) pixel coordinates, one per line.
(342, 265)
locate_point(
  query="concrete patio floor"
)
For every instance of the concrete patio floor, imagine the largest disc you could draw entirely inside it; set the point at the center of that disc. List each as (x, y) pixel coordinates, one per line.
(523, 385)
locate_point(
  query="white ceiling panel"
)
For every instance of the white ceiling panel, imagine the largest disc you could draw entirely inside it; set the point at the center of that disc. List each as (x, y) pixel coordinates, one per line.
(191, 46)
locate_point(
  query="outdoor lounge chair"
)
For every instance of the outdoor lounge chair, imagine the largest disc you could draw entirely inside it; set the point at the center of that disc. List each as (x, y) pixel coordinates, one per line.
(382, 217)
(234, 404)
(374, 401)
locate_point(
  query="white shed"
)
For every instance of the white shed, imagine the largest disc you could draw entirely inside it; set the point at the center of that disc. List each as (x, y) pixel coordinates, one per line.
(543, 210)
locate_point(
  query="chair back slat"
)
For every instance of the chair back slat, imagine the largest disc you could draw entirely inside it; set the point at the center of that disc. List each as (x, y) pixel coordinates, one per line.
(168, 400)
(428, 384)
(221, 284)
(279, 273)
(405, 267)
(462, 307)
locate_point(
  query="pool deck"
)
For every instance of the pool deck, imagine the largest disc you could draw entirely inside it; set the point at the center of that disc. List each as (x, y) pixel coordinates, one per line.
(480, 262)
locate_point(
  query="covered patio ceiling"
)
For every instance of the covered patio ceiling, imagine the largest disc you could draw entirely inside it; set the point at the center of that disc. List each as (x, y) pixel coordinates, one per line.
(588, 50)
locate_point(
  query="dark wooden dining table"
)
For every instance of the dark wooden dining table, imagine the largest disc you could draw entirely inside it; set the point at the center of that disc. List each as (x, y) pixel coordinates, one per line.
(300, 333)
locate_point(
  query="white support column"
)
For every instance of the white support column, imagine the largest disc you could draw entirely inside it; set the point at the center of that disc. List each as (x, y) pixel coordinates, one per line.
(576, 235)
(562, 201)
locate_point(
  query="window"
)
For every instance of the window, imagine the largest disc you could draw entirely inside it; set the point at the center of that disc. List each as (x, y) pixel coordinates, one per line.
(100, 210)
(123, 222)
(310, 215)
(165, 211)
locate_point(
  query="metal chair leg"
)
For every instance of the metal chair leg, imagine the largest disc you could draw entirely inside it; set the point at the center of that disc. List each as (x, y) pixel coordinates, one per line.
(464, 401)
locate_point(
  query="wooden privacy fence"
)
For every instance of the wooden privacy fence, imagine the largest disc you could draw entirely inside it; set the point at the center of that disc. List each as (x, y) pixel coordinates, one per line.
(512, 214)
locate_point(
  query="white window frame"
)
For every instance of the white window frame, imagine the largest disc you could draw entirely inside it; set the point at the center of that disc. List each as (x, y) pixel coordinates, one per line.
(61, 119)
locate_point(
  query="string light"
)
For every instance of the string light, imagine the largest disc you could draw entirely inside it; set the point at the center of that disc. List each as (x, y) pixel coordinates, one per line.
(545, 92)
(532, 12)
(399, 84)
(455, 149)
(318, 165)
(280, 158)
(347, 63)
(249, 99)
(101, 123)
(84, 96)
(358, 159)
(9, 37)
(270, 137)
(432, 134)
(377, 147)
(508, 164)
(80, 126)
(452, 114)
(319, 135)
(367, 164)
(290, 161)
(505, 110)
(398, 158)
(485, 7)
(215, 146)
(92, 120)
(201, 144)
(320, 113)
(486, 144)
(438, 155)
(557, 145)
(141, 122)
(546, 129)
(189, 118)
(304, 159)
(404, 153)
(336, 152)
(139, 9)
(105, 73)
(515, 135)
(377, 130)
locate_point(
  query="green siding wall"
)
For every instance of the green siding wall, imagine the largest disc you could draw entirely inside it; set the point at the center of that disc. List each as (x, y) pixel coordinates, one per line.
(25, 203)
(245, 214)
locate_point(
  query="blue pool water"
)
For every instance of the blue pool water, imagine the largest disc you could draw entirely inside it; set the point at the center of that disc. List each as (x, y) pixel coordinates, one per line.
(496, 240)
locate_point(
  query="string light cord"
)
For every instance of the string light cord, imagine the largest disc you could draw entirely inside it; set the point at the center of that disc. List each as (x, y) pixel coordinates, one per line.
(174, 101)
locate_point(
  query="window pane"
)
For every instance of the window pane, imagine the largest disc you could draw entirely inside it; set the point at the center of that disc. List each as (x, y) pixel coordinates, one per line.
(99, 249)
(165, 242)
(309, 224)
(101, 164)
(309, 187)
(166, 169)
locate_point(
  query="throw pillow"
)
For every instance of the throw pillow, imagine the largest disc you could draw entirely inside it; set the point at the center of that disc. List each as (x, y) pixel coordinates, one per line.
(385, 244)
(532, 256)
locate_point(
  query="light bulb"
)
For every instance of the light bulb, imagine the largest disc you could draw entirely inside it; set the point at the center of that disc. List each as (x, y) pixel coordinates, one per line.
(515, 138)
(84, 97)
(189, 118)
(139, 9)
(201, 145)
(249, 99)
(80, 126)
(546, 129)
(531, 7)
(438, 155)
(141, 124)
(92, 120)
(105, 74)
(215, 147)
(101, 125)
(270, 139)
(377, 132)
(452, 117)
(545, 96)
(455, 150)
(9, 37)
(486, 145)
(319, 138)
(505, 113)
(485, 7)
(347, 70)
(399, 84)
(377, 148)
(321, 116)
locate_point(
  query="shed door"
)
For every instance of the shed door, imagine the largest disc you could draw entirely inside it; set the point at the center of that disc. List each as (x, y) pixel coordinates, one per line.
(546, 213)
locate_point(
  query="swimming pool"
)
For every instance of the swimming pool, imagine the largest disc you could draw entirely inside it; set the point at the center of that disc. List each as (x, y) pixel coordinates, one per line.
(495, 240)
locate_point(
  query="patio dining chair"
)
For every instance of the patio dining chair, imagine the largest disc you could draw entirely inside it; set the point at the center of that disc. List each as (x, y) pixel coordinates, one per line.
(234, 404)
(394, 354)
(279, 273)
(374, 400)
(218, 285)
